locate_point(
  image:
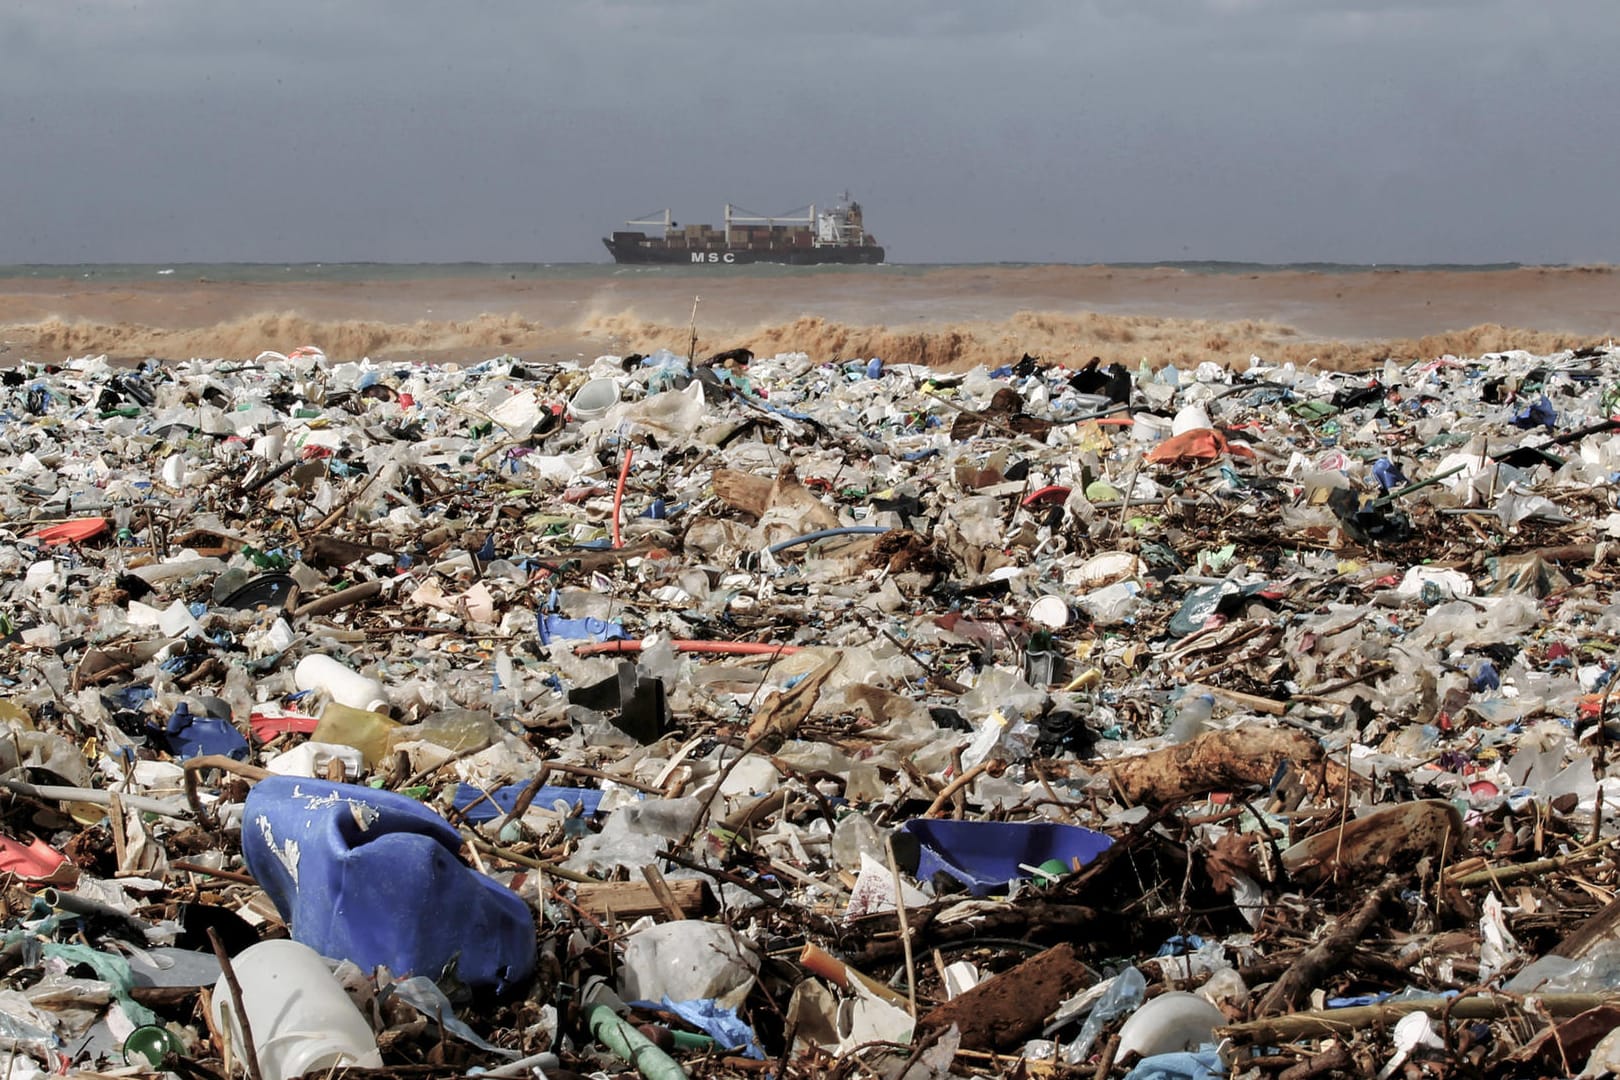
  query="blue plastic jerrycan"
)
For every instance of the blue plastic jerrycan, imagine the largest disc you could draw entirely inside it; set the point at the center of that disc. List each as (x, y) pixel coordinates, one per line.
(374, 877)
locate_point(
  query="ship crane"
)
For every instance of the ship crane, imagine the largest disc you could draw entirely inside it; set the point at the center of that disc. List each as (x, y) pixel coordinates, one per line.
(736, 215)
(665, 219)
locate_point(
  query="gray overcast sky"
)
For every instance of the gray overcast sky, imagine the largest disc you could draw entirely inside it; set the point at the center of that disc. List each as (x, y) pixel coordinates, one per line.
(1061, 130)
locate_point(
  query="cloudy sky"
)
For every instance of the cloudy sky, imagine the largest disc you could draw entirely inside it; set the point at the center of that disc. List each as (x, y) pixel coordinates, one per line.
(1035, 130)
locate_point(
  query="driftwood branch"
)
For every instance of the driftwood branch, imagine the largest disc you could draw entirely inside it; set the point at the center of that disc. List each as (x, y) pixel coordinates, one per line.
(1215, 761)
(1305, 972)
(1316, 1023)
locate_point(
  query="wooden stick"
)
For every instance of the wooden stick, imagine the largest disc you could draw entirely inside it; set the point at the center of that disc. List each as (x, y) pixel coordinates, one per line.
(226, 875)
(249, 1051)
(597, 774)
(660, 891)
(1497, 875)
(354, 594)
(1374, 672)
(339, 510)
(195, 765)
(525, 799)
(524, 860)
(1248, 701)
(959, 799)
(1105, 1060)
(1598, 927)
(1333, 1059)
(720, 782)
(117, 826)
(960, 783)
(1315, 1023)
(423, 773)
(905, 928)
(757, 811)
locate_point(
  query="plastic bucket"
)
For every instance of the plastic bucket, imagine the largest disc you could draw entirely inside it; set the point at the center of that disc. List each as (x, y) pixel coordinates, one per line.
(1149, 428)
(594, 399)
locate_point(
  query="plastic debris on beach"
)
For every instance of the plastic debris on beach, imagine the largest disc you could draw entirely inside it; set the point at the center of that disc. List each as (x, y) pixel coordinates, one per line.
(803, 716)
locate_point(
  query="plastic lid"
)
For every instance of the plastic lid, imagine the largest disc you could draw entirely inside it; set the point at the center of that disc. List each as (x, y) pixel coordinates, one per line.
(1050, 611)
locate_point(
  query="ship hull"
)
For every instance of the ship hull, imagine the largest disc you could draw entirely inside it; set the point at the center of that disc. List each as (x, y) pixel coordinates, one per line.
(864, 254)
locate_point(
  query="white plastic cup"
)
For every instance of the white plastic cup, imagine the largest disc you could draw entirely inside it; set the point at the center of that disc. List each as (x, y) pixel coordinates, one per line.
(302, 1020)
(594, 399)
(341, 684)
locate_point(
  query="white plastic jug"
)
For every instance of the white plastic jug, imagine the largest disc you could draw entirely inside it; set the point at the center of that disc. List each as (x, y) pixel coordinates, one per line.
(342, 684)
(302, 1020)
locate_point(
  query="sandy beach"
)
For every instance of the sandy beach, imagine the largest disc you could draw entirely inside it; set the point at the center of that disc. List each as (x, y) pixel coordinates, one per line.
(951, 317)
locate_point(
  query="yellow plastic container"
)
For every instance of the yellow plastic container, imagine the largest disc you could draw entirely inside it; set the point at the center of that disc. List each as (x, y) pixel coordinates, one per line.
(15, 716)
(457, 730)
(366, 731)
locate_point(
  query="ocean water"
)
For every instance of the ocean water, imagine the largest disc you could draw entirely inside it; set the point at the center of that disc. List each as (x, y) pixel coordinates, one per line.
(949, 315)
(273, 273)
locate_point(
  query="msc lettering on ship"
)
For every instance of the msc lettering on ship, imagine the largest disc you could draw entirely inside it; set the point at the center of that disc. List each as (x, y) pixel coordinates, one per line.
(713, 257)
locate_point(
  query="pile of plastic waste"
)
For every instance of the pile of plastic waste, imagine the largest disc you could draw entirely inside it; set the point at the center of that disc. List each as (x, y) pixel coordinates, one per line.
(800, 717)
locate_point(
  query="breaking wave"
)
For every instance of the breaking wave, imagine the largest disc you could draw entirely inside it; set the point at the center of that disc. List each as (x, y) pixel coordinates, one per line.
(1072, 339)
(952, 346)
(245, 338)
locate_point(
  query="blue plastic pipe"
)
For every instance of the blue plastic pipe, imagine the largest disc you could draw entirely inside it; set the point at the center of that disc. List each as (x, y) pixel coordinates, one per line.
(824, 534)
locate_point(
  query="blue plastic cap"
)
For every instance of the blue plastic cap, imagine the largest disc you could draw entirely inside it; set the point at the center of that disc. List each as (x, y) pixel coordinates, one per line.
(374, 877)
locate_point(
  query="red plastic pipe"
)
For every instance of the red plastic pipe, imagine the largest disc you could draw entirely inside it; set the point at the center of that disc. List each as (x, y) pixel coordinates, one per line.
(618, 494)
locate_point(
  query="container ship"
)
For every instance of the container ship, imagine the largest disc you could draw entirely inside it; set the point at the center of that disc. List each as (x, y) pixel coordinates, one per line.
(811, 238)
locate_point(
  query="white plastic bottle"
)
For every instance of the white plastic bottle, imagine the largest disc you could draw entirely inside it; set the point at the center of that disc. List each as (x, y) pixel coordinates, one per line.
(302, 1020)
(341, 683)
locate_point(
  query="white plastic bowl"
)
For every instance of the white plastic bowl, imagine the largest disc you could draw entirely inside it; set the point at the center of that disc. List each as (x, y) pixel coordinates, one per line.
(594, 399)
